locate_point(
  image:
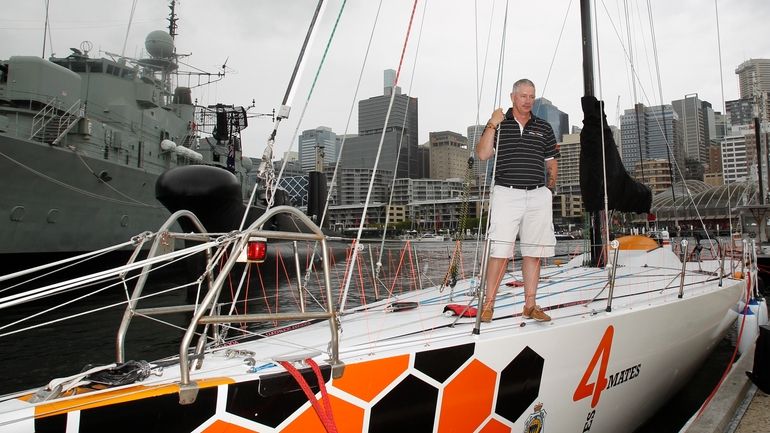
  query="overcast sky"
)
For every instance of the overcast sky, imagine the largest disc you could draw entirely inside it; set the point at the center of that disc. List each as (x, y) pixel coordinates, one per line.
(260, 40)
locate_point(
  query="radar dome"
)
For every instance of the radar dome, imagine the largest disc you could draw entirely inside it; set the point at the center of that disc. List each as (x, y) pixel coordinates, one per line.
(159, 44)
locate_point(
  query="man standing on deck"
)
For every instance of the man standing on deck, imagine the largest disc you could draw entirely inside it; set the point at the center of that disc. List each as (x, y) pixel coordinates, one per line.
(525, 177)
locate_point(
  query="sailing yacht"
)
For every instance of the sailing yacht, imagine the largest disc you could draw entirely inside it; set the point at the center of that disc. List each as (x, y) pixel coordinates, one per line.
(630, 325)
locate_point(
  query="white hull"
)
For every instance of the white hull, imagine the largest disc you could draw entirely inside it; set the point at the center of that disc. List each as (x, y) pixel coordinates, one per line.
(412, 370)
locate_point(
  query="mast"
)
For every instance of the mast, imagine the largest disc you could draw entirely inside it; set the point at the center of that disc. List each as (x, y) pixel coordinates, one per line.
(757, 138)
(758, 108)
(588, 90)
(588, 50)
(172, 19)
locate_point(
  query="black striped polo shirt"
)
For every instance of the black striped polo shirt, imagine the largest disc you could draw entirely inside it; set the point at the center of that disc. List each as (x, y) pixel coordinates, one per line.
(521, 157)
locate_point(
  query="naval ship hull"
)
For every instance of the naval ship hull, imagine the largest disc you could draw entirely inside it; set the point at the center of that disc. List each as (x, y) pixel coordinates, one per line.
(53, 200)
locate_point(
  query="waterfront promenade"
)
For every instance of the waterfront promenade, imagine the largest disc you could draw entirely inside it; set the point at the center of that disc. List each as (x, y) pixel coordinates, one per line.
(756, 419)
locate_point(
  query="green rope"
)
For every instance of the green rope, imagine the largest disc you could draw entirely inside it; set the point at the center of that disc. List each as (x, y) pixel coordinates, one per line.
(326, 50)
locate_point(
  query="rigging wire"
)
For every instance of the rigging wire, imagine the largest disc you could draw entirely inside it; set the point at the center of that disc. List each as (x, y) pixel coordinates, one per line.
(400, 142)
(265, 170)
(477, 137)
(45, 26)
(657, 121)
(633, 86)
(660, 90)
(312, 88)
(498, 93)
(644, 43)
(128, 28)
(481, 293)
(356, 242)
(344, 137)
(555, 51)
(606, 231)
(724, 106)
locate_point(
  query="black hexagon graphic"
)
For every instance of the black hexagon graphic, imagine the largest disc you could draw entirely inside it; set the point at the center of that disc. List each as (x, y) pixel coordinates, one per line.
(157, 414)
(442, 363)
(273, 398)
(409, 407)
(519, 384)
(51, 424)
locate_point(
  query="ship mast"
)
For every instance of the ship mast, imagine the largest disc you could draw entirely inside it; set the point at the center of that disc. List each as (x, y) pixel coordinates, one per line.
(172, 26)
(172, 19)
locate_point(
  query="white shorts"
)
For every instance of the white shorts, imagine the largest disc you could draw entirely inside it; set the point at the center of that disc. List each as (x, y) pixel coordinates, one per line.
(530, 209)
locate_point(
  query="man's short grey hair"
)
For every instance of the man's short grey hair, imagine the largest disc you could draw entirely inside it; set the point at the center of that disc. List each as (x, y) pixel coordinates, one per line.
(522, 82)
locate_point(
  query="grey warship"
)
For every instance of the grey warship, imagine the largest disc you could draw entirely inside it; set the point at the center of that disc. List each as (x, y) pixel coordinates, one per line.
(83, 140)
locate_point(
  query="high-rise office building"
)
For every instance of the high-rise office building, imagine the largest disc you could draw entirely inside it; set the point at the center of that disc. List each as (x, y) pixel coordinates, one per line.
(423, 158)
(754, 85)
(316, 146)
(753, 77)
(400, 131)
(736, 158)
(559, 120)
(719, 128)
(657, 174)
(693, 120)
(568, 181)
(650, 133)
(448, 155)
(354, 186)
(740, 111)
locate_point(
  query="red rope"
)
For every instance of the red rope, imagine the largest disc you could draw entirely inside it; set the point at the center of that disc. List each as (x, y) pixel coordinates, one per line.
(264, 291)
(398, 272)
(361, 284)
(246, 295)
(735, 351)
(324, 413)
(348, 263)
(413, 272)
(406, 40)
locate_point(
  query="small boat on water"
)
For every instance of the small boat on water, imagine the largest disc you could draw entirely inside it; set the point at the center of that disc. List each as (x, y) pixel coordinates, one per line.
(431, 237)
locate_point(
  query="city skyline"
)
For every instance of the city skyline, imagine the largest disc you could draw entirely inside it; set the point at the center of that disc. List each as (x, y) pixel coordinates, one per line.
(260, 42)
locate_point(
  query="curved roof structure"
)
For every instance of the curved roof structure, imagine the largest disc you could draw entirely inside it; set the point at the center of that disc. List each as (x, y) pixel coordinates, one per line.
(693, 198)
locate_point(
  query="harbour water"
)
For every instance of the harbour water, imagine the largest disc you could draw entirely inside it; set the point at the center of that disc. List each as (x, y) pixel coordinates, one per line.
(33, 358)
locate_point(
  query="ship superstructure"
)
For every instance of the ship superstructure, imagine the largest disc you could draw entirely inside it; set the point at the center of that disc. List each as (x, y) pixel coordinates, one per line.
(83, 139)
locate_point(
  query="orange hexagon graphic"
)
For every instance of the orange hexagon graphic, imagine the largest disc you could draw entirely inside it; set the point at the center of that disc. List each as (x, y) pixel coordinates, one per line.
(220, 426)
(467, 400)
(495, 426)
(366, 380)
(347, 417)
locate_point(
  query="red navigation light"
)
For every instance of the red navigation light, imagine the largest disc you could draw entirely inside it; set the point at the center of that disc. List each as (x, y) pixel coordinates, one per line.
(256, 250)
